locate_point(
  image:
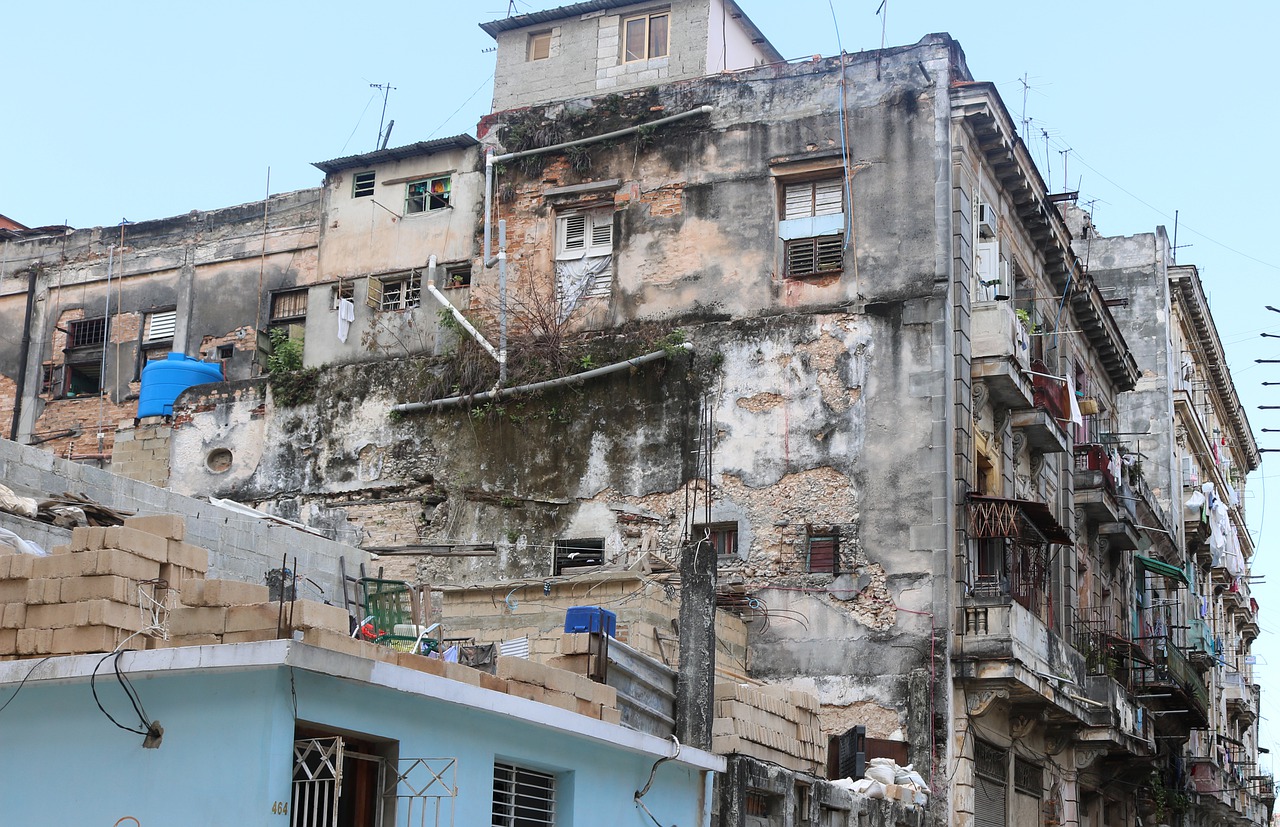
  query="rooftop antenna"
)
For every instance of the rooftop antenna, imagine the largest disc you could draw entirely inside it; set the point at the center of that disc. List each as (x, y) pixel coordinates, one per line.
(1176, 245)
(387, 135)
(884, 24)
(385, 88)
(1026, 124)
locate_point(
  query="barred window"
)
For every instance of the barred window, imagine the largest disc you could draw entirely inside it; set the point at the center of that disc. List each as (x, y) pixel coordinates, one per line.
(523, 797)
(362, 184)
(291, 304)
(87, 332)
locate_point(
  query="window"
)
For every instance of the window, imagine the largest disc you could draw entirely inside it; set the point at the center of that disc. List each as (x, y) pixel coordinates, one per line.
(812, 226)
(428, 195)
(645, 36)
(584, 234)
(226, 352)
(523, 797)
(990, 784)
(723, 538)
(401, 291)
(338, 292)
(161, 325)
(576, 554)
(288, 305)
(362, 184)
(824, 553)
(87, 332)
(457, 275)
(51, 380)
(83, 379)
(342, 781)
(539, 45)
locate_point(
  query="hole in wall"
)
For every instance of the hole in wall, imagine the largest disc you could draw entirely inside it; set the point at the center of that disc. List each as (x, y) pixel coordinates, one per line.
(218, 460)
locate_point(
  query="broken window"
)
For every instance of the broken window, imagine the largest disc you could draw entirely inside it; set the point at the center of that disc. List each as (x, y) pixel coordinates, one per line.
(338, 292)
(160, 325)
(288, 305)
(87, 332)
(540, 45)
(823, 553)
(362, 184)
(645, 36)
(723, 538)
(812, 226)
(51, 380)
(584, 257)
(576, 554)
(522, 797)
(398, 291)
(428, 194)
(83, 379)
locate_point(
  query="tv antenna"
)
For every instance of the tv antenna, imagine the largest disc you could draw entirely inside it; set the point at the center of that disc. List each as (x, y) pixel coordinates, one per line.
(386, 89)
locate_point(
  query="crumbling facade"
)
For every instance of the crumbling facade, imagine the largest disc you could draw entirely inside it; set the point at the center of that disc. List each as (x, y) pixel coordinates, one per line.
(821, 320)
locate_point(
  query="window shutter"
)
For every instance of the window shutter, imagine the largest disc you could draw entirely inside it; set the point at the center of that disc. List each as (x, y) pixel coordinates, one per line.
(374, 294)
(573, 235)
(822, 555)
(161, 325)
(798, 201)
(828, 197)
(601, 233)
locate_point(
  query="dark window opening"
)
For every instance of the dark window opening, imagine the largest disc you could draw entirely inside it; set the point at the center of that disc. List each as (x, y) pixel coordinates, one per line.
(339, 780)
(87, 332)
(289, 305)
(362, 184)
(576, 554)
(723, 538)
(226, 351)
(84, 379)
(427, 195)
(824, 554)
(457, 276)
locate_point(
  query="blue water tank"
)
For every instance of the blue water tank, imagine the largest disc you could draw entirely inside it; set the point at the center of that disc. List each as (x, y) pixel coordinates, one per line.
(164, 379)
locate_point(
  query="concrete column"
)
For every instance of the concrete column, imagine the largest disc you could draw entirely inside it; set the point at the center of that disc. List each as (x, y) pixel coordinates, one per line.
(696, 676)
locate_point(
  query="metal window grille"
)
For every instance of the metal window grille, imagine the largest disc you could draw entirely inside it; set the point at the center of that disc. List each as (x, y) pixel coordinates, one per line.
(290, 305)
(317, 782)
(362, 184)
(423, 790)
(523, 797)
(161, 325)
(88, 332)
(1028, 777)
(756, 803)
(990, 761)
(399, 292)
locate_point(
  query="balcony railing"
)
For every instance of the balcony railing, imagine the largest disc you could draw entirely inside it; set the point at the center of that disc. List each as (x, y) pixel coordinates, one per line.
(1170, 668)
(1050, 393)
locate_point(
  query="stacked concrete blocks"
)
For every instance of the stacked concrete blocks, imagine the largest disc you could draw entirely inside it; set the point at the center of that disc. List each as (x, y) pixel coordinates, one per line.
(770, 723)
(560, 687)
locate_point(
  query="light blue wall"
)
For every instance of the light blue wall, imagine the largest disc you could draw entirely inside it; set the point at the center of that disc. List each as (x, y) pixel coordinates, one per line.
(227, 751)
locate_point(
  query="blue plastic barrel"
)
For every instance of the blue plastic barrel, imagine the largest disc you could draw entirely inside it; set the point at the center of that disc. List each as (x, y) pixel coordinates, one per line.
(164, 379)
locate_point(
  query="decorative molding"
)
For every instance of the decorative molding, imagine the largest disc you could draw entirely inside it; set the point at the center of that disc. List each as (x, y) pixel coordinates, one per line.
(1101, 545)
(1086, 756)
(1057, 739)
(1037, 464)
(979, 703)
(1022, 722)
(1019, 440)
(980, 395)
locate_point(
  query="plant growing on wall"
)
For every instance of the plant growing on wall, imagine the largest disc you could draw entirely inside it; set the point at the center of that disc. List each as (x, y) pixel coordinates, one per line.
(291, 383)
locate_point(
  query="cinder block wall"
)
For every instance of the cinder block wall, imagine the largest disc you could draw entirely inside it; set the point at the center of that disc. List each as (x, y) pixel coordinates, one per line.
(240, 548)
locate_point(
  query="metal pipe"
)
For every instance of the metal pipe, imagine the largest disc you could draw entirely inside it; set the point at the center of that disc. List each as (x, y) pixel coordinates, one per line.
(502, 302)
(21, 387)
(413, 407)
(490, 159)
(457, 314)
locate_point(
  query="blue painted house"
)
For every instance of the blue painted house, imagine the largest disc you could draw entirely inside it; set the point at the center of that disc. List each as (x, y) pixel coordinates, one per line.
(286, 734)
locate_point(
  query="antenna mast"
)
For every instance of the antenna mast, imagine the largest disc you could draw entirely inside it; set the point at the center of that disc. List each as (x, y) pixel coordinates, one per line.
(385, 88)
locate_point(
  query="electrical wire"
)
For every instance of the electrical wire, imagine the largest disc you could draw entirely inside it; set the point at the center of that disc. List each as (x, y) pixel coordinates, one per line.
(23, 682)
(128, 690)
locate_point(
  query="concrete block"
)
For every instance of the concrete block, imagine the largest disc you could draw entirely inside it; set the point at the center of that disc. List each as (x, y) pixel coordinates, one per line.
(561, 700)
(8, 643)
(139, 542)
(493, 682)
(176, 576)
(98, 587)
(585, 707)
(63, 565)
(421, 663)
(558, 680)
(13, 616)
(191, 592)
(187, 640)
(20, 566)
(334, 642)
(121, 563)
(13, 591)
(464, 674)
(52, 615)
(34, 641)
(191, 557)
(526, 690)
(604, 695)
(43, 590)
(234, 593)
(311, 614)
(87, 538)
(520, 669)
(574, 644)
(610, 715)
(202, 620)
(257, 616)
(82, 639)
(107, 613)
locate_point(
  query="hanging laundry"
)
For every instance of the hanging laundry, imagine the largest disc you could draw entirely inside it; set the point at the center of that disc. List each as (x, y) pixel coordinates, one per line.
(1076, 417)
(346, 315)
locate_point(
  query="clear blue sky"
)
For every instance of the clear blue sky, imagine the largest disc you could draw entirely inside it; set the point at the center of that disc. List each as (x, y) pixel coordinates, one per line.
(144, 110)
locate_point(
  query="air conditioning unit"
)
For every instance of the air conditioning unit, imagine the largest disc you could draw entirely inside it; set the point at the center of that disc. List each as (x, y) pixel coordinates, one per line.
(986, 221)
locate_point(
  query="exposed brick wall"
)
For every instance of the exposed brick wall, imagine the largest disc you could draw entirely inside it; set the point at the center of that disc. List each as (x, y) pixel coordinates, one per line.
(142, 452)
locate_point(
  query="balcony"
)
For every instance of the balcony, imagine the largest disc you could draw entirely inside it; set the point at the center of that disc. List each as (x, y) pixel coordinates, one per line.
(1000, 354)
(1239, 697)
(1040, 429)
(1098, 492)
(1168, 672)
(1199, 644)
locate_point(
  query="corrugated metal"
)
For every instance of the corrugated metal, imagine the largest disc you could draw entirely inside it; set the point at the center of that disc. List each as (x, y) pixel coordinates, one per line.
(397, 153)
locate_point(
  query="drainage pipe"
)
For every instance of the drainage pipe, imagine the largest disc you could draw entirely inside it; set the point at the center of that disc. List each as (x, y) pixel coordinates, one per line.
(457, 314)
(493, 395)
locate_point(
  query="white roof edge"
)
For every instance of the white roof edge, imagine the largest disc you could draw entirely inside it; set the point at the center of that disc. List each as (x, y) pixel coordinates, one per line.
(279, 653)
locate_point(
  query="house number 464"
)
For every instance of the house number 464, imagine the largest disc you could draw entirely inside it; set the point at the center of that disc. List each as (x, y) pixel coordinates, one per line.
(280, 808)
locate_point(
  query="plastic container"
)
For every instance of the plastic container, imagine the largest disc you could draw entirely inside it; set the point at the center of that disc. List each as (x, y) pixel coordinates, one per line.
(591, 619)
(164, 379)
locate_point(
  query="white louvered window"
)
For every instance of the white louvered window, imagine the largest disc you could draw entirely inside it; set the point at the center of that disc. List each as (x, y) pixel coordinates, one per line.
(161, 324)
(584, 234)
(812, 227)
(523, 797)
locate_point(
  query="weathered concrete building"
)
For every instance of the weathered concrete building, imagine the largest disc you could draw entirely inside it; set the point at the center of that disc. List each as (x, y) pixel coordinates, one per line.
(820, 319)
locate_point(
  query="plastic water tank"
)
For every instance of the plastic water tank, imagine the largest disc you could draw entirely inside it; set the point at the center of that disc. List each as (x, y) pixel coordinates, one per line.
(164, 379)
